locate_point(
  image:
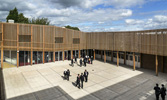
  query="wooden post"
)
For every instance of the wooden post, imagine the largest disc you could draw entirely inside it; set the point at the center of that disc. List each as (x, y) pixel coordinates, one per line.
(156, 65)
(134, 67)
(54, 44)
(71, 54)
(162, 67)
(17, 45)
(2, 49)
(43, 44)
(63, 55)
(94, 54)
(124, 58)
(117, 59)
(104, 56)
(31, 47)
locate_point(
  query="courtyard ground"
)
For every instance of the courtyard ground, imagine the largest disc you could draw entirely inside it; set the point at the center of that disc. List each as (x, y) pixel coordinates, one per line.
(105, 82)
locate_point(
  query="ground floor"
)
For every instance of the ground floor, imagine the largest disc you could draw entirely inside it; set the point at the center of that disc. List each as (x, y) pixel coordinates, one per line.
(106, 81)
(132, 59)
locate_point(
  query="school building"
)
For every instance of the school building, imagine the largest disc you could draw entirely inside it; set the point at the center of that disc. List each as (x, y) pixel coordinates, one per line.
(27, 44)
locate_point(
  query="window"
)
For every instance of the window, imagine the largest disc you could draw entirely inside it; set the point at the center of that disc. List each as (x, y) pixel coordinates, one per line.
(76, 41)
(58, 39)
(24, 38)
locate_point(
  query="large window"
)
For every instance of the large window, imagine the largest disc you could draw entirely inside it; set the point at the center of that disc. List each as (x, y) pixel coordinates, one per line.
(58, 39)
(10, 57)
(76, 40)
(24, 58)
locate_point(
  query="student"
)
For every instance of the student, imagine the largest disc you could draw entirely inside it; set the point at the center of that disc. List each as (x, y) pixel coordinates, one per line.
(82, 79)
(163, 92)
(76, 59)
(80, 62)
(68, 74)
(91, 59)
(86, 75)
(65, 73)
(85, 62)
(72, 62)
(78, 81)
(157, 91)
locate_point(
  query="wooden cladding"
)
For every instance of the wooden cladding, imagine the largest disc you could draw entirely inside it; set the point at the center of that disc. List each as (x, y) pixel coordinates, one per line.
(0, 36)
(24, 38)
(52, 38)
(76, 40)
(58, 39)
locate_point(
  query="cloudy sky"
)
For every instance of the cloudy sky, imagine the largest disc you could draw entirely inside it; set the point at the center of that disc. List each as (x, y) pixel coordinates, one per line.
(94, 15)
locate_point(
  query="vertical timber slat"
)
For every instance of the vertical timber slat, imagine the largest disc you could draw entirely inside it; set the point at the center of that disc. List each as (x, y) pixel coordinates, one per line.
(156, 65)
(31, 47)
(17, 45)
(117, 59)
(43, 44)
(2, 49)
(134, 67)
(54, 44)
(104, 56)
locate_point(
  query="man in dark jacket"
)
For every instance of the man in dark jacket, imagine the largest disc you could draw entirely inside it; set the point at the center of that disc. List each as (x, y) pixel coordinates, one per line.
(82, 79)
(163, 92)
(86, 75)
(78, 81)
(76, 59)
(80, 62)
(68, 74)
(65, 74)
(72, 62)
(85, 62)
(91, 59)
(157, 91)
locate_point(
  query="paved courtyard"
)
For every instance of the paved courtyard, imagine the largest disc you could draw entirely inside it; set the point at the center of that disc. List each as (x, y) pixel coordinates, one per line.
(105, 82)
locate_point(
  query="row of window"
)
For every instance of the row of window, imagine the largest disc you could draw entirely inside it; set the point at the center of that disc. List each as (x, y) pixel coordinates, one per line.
(27, 38)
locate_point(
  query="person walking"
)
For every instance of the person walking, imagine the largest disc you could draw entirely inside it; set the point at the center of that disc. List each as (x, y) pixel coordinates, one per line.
(86, 75)
(78, 81)
(157, 91)
(85, 62)
(76, 59)
(163, 92)
(65, 73)
(80, 62)
(72, 62)
(91, 59)
(82, 80)
(68, 74)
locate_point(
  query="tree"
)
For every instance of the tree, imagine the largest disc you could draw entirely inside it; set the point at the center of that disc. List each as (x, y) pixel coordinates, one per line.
(73, 28)
(13, 14)
(41, 21)
(22, 19)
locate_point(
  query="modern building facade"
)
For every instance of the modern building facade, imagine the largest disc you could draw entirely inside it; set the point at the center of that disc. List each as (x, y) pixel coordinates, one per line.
(27, 44)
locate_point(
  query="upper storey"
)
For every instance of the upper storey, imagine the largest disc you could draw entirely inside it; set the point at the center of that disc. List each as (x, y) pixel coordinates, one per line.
(52, 38)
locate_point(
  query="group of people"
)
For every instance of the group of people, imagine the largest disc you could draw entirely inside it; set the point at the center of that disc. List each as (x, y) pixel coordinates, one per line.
(85, 60)
(81, 78)
(66, 74)
(160, 91)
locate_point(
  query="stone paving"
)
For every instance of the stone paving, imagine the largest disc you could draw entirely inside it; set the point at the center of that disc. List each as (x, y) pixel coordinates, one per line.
(105, 82)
